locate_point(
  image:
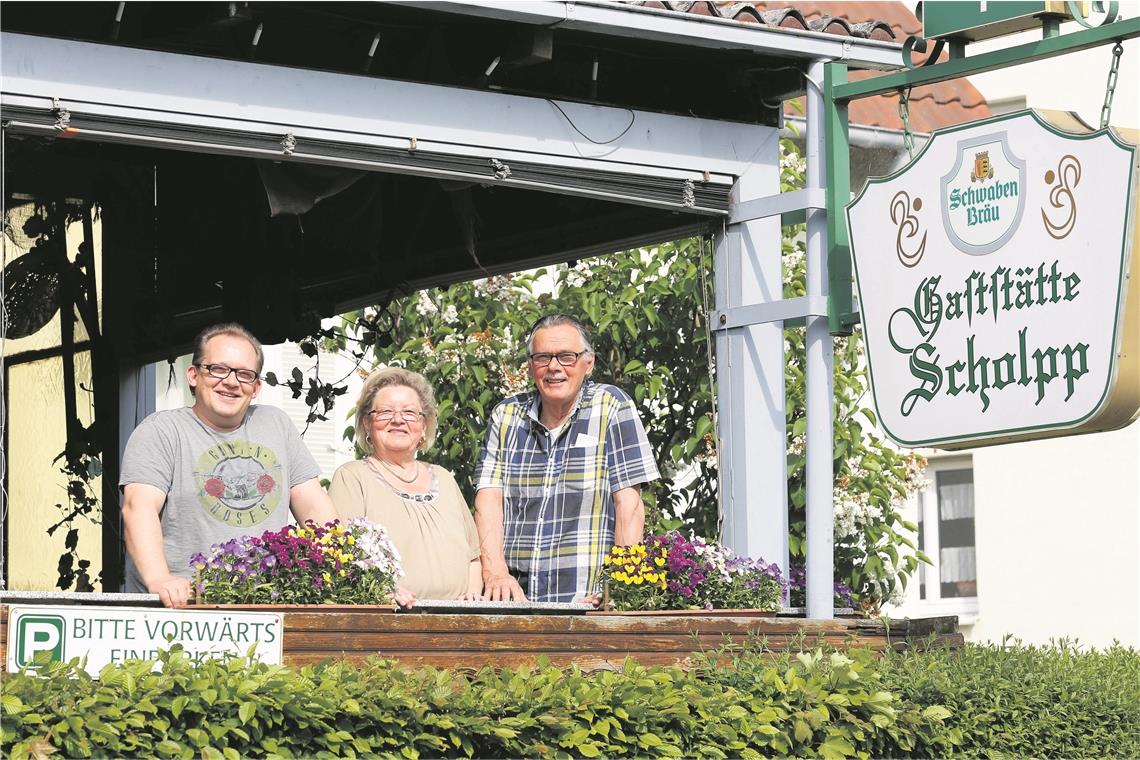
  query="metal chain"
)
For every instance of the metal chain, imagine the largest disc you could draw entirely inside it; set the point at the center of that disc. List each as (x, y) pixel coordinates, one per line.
(1110, 88)
(904, 115)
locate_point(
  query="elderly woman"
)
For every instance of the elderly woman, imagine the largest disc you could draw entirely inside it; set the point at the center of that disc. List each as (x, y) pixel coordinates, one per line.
(419, 504)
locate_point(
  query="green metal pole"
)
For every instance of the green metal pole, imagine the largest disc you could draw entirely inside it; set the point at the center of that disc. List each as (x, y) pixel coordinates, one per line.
(837, 152)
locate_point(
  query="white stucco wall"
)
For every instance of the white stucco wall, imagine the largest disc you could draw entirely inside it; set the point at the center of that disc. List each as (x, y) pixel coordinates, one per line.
(1073, 82)
(1058, 539)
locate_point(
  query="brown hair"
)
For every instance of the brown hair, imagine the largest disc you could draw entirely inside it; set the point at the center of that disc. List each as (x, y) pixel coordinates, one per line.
(232, 329)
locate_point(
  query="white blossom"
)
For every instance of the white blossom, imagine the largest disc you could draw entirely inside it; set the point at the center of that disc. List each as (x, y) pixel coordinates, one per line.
(425, 307)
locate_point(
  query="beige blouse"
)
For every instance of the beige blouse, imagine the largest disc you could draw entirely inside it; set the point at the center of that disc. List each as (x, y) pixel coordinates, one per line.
(436, 538)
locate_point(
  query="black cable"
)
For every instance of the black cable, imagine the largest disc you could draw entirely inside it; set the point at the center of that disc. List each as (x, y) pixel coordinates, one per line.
(632, 119)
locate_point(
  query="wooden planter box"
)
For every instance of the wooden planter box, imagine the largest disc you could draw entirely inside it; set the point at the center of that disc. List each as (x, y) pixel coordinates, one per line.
(592, 641)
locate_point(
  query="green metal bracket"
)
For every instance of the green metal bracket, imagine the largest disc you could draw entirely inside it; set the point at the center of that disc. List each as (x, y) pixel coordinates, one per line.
(838, 92)
(837, 152)
(997, 59)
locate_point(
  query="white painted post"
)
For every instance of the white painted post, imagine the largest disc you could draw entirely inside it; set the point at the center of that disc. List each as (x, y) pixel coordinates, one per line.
(820, 394)
(750, 373)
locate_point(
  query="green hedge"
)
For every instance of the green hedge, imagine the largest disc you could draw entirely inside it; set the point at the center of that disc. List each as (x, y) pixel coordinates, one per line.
(1012, 700)
(752, 704)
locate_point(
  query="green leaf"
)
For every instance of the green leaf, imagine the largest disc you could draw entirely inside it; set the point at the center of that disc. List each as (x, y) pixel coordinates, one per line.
(936, 712)
(167, 747)
(836, 748)
(246, 711)
(648, 740)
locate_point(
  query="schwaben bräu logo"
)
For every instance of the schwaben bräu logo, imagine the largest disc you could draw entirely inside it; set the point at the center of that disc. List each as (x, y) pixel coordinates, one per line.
(983, 195)
(990, 295)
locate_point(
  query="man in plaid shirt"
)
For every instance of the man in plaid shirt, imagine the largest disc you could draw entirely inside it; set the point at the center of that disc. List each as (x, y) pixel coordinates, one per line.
(558, 481)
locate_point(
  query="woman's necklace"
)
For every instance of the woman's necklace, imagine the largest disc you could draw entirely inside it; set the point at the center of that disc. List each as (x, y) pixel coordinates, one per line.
(398, 476)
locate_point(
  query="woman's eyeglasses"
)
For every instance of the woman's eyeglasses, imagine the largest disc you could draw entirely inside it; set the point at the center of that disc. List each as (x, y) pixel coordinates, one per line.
(387, 415)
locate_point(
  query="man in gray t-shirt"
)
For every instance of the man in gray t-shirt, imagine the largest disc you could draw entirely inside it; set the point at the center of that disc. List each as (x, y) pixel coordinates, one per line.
(220, 469)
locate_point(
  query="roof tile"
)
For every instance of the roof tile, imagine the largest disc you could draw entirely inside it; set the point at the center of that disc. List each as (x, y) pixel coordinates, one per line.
(934, 106)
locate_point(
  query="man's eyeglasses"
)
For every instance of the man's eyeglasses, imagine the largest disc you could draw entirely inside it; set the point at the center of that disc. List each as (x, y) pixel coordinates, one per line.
(221, 372)
(387, 415)
(565, 358)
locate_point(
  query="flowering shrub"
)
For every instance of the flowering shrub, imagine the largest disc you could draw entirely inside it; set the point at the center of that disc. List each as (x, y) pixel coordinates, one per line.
(350, 563)
(672, 571)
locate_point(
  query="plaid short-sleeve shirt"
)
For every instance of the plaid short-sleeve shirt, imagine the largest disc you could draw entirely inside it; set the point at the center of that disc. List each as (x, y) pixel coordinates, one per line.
(558, 504)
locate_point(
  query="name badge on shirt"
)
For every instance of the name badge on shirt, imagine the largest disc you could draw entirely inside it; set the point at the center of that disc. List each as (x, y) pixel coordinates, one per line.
(585, 439)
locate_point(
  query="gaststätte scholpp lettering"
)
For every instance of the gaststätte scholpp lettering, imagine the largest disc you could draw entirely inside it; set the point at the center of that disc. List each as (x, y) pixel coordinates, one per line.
(1002, 291)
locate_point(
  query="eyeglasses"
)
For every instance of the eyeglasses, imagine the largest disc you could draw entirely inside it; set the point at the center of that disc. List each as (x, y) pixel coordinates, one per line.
(387, 415)
(221, 372)
(565, 358)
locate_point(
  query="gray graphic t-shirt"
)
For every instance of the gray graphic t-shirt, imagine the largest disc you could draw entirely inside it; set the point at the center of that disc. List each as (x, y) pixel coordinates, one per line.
(218, 485)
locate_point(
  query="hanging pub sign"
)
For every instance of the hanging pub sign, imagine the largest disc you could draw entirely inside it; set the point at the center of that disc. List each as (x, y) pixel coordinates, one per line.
(993, 279)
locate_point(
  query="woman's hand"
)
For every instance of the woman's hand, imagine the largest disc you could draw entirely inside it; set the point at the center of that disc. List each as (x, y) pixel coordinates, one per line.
(474, 582)
(404, 597)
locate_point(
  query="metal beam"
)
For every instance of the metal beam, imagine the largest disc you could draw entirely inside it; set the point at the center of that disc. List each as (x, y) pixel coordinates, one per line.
(762, 313)
(614, 19)
(837, 154)
(997, 59)
(753, 479)
(165, 89)
(785, 205)
(819, 396)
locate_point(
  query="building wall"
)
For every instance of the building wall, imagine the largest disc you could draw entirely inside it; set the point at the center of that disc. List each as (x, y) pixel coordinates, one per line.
(1058, 539)
(36, 434)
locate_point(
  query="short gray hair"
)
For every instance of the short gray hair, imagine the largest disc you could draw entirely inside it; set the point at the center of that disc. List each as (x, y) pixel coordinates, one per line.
(558, 320)
(386, 378)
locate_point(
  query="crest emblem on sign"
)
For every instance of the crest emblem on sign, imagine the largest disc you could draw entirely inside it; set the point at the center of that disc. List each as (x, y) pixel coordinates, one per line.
(982, 168)
(983, 196)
